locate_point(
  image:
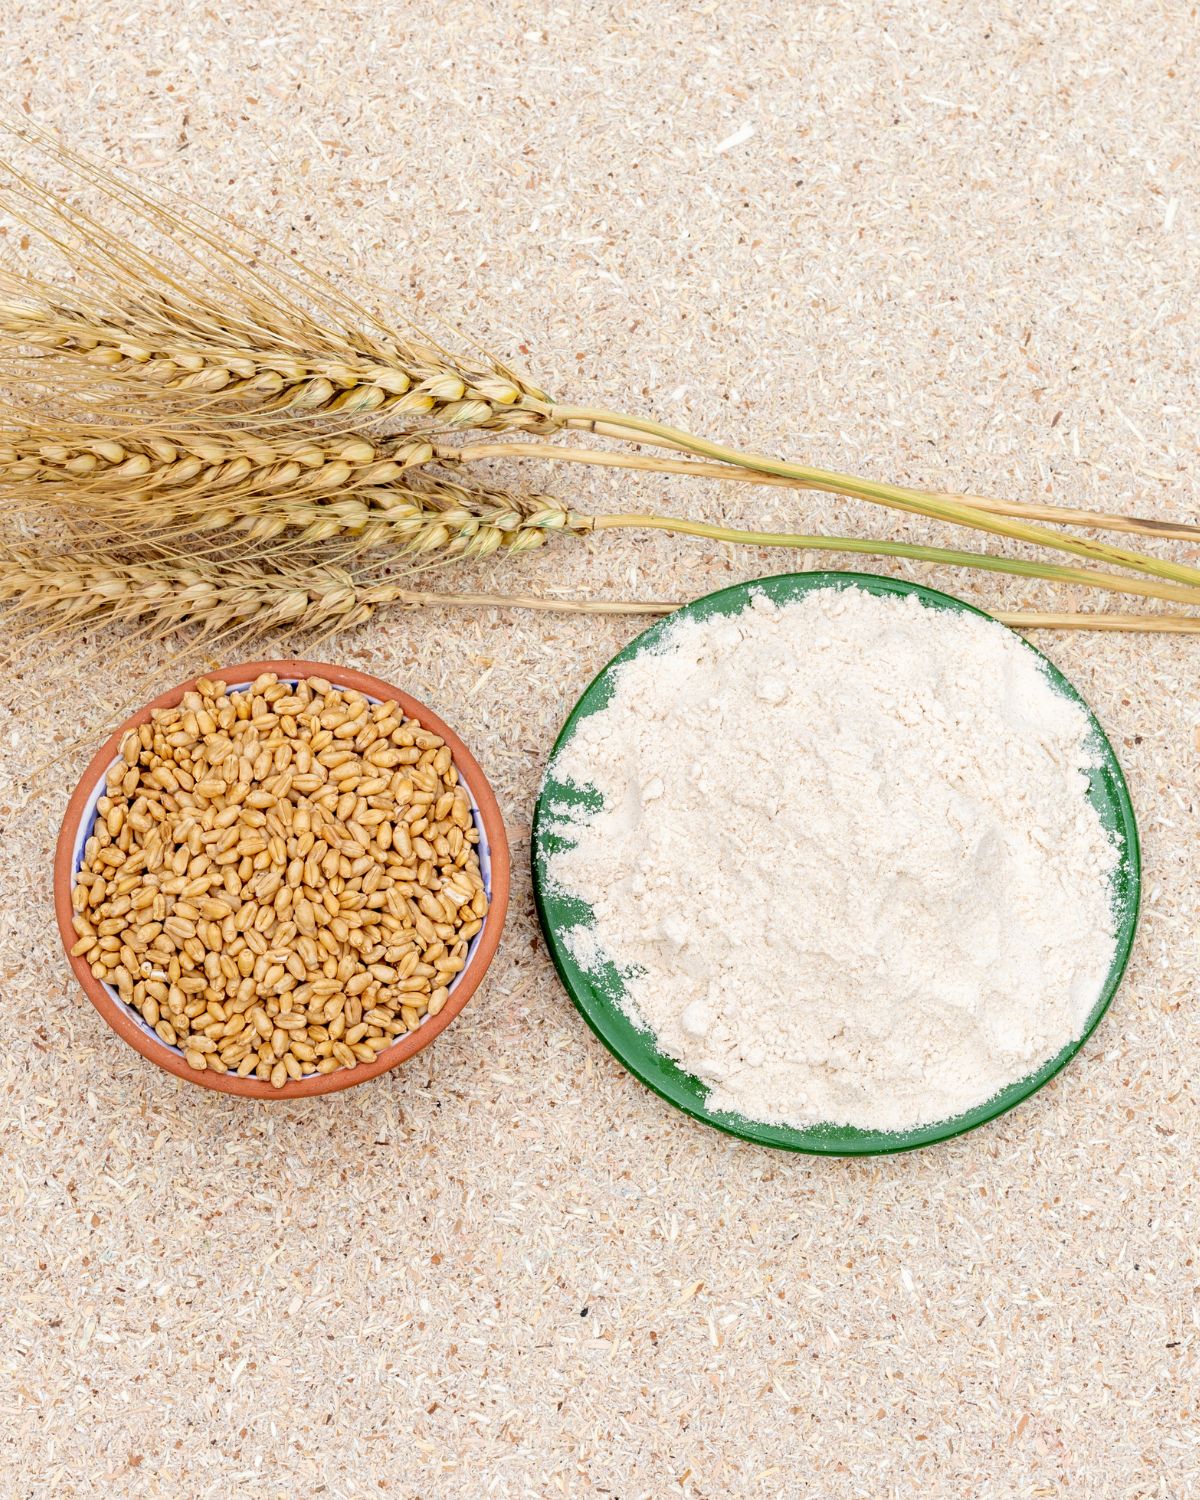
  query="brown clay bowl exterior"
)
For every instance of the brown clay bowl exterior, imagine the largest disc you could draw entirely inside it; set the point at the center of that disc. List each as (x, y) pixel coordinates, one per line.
(122, 1020)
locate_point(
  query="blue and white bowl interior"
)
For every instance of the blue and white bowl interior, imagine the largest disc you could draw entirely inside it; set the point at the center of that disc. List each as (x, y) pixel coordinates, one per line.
(87, 823)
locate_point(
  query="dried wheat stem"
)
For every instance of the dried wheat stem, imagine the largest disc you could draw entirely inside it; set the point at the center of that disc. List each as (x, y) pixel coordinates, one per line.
(220, 596)
(282, 339)
(543, 602)
(439, 520)
(311, 489)
(450, 522)
(1094, 620)
(316, 462)
(93, 464)
(447, 521)
(436, 520)
(1131, 624)
(895, 497)
(1063, 515)
(163, 596)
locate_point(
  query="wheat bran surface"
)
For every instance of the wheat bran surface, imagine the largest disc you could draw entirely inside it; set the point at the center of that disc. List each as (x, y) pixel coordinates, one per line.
(957, 249)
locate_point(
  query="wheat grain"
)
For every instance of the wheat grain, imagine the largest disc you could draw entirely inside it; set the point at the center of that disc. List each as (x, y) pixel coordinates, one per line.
(173, 910)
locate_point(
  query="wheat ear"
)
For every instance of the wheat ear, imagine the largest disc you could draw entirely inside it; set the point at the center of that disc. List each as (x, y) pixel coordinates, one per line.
(442, 522)
(162, 596)
(182, 351)
(534, 412)
(222, 330)
(90, 465)
(178, 474)
(153, 322)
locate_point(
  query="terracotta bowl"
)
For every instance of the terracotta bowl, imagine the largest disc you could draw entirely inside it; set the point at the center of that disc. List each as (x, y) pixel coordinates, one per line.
(129, 1025)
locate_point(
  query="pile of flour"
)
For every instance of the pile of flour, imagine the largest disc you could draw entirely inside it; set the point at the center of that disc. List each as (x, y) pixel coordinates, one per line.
(844, 863)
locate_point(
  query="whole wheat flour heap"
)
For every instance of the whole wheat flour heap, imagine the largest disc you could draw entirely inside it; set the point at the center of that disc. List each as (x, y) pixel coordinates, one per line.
(845, 863)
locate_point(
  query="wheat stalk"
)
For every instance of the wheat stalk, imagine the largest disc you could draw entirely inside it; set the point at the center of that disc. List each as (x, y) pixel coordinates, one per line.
(298, 489)
(440, 522)
(163, 595)
(1059, 515)
(84, 462)
(1110, 622)
(288, 341)
(448, 521)
(310, 491)
(285, 343)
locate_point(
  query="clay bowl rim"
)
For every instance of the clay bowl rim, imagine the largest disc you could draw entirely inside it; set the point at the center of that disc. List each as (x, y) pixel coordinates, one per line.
(156, 1051)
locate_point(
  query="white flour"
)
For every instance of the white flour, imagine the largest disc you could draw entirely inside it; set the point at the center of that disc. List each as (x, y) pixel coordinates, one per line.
(845, 863)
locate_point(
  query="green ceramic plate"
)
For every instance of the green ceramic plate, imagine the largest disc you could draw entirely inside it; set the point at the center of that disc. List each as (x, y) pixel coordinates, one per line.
(597, 999)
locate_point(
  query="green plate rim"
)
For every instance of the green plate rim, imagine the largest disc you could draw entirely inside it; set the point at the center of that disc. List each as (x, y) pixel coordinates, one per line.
(633, 1047)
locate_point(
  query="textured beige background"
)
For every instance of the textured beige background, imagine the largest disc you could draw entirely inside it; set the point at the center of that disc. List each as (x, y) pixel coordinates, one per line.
(960, 248)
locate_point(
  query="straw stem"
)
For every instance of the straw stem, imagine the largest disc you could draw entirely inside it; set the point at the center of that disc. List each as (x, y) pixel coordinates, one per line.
(1063, 515)
(895, 497)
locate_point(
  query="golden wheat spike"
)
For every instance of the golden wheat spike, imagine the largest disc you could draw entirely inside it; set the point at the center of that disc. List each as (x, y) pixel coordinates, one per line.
(90, 464)
(288, 325)
(223, 331)
(163, 596)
